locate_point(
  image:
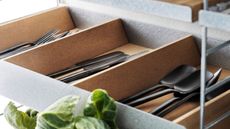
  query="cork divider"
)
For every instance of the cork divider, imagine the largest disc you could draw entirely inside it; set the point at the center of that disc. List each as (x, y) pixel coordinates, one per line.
(133, 76)
(89, 43)
(30, 28)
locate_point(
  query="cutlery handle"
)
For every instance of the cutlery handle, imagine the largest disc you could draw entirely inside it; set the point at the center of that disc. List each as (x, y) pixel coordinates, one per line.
(142, 93)
(89, 62)
(176, 104)
(11, 49)
(89, 70)
(164, 105)
(150, 97)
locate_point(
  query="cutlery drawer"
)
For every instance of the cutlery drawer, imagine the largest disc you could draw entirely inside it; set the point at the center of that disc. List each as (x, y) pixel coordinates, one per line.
(30, 28)
(130, 77)
(84, 45)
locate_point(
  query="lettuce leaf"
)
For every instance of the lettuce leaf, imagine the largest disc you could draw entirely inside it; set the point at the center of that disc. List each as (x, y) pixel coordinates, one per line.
(103, 107)
(19, 119)
(99, 113)
(59, 115)
(90, 123)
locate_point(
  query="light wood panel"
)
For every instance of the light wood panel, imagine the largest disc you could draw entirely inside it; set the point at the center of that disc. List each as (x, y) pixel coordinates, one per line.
(30, 28)
(68, 51)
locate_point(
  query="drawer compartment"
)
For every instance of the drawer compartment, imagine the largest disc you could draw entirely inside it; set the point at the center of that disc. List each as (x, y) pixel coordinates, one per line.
(84, 45)
(30, 28)
(125, 80)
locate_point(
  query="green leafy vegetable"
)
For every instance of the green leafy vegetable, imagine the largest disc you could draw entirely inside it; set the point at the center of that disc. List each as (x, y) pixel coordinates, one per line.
(59, 115)
(99, 113)
(102, 106)
(19, 119)
(90, 123)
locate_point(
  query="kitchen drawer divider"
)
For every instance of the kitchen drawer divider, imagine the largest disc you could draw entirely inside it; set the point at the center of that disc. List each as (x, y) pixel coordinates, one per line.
(206, 22)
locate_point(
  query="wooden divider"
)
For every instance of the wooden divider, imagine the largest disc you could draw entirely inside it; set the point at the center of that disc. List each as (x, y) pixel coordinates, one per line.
(70, 50)
(145, 71)
(32, 27)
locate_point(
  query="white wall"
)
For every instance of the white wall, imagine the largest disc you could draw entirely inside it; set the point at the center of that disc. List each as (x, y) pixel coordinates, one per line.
(11, 9)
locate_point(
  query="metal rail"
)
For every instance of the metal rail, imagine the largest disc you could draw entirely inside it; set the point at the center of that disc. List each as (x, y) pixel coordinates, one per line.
(204, 54)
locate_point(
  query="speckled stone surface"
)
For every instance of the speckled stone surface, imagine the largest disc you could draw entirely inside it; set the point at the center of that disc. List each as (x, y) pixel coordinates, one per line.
(151, 7)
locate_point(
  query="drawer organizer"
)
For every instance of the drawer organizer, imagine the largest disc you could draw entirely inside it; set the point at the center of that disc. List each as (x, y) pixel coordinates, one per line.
(166, 49)
(23, 29)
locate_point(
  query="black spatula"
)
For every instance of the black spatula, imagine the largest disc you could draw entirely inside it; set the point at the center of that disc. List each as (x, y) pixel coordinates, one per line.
(176, 101)
(184, 87)
(173, 77)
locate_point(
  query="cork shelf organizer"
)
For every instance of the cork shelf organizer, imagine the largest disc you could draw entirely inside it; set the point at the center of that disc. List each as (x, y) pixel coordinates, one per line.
(30, 28)
(129, 77)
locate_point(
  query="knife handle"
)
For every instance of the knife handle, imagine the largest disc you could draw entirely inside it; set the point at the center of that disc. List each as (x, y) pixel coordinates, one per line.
(88, 63)
(89, 70)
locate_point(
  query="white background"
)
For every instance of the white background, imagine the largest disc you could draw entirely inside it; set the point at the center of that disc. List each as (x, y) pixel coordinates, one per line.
(12, 9)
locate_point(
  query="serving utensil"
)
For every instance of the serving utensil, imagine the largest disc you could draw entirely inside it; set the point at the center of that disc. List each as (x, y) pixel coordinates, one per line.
(178, 100)
(173, 77)
(184, 87)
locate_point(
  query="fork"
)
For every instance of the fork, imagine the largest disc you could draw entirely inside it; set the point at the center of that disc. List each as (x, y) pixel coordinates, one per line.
(49, 36)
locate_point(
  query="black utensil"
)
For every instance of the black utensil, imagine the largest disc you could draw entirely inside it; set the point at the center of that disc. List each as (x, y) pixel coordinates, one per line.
(176, 101)
(87, 63)
(223, 86)
(47, 37)
(184, 87)
(173, 77)
(91, 69)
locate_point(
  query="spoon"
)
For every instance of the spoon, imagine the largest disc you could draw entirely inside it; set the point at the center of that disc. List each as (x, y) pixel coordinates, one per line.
(169, 105)
(184, 87)
(173, 77)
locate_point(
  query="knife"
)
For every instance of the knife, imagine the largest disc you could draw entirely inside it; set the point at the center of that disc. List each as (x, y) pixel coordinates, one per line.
(87, 63)
(96, 67)
(38, 91)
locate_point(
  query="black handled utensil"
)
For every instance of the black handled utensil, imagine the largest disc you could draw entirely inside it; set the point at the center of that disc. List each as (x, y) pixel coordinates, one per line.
(176, 101)
(184, 87)
(91, 69)
(86, 63)
(173, 77)
(222, 88)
